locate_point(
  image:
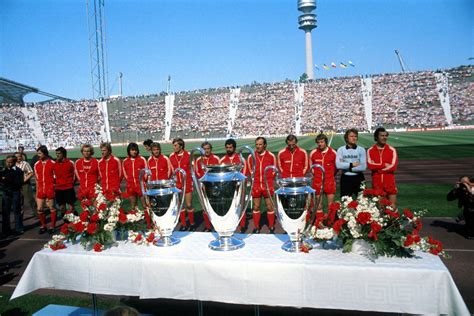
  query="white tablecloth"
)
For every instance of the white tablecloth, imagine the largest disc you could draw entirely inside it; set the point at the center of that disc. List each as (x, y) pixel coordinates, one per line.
(260, 273)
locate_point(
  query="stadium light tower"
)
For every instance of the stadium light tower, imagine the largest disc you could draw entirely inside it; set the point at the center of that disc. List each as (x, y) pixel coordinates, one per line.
(307, 22)
(97, 47)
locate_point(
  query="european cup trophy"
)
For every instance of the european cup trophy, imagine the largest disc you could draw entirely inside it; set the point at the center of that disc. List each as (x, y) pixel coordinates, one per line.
(222, 191)
(163, 199)
(292, 201)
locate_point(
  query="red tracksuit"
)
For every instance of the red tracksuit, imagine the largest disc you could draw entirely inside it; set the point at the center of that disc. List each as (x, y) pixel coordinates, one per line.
(182, 161)
(160, 167)
(293, 164)
(44, 173)
(262, 161)
(110, 171)
(211, 160)
(131, 171)
(383, 163)
(87, 171)
(64, 172)
(327, 159)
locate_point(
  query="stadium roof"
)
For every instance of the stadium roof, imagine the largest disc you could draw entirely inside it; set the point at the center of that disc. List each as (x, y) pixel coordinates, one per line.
(13, 92)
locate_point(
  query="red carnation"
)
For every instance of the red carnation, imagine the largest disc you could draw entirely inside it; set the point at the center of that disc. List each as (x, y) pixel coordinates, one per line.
(98, 247)
(338, 225)
(334, 206)
(353, 204)
(122, 217)
(125, 195)
(151, 237)
(95, 217)
(64, 229)
(91, 228)
(133, 212)
(374, 229)
(418, 224)
(102, 207)
(139, 237)
(57, 246)
(363, 218)
(368, 192)
(109, 195)
(79, 227)
(408, 213)
(385, 202)
(409, 241)
(390, 213)
(84, 216)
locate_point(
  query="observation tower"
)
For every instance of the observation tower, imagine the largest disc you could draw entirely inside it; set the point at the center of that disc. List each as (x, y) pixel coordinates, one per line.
(307, 22)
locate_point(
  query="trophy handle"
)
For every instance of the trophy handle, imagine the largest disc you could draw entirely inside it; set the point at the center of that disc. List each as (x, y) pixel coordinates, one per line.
(183, 191)
(316, 201)
(248, 197)
(140, 177)
(277, 175)
(194, 176)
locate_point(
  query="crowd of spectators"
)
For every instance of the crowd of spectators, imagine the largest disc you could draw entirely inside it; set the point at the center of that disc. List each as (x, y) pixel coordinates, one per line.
(398, 100)
(71, 123)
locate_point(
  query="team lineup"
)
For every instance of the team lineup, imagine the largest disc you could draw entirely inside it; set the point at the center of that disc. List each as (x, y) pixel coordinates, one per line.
(55, 179)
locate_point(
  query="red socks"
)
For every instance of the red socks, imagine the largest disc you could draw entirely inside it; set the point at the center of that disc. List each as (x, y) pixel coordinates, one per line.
(191, 217)
(182, 218)
(256, 219)
(243, 220)
(42, 219)
(271, 219)
(53, 219)
(207, 222)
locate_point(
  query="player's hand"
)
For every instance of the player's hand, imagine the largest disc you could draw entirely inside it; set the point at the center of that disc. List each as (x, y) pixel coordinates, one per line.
(355, 164)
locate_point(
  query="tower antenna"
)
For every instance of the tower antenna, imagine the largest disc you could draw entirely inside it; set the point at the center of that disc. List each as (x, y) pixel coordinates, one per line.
(307, 22)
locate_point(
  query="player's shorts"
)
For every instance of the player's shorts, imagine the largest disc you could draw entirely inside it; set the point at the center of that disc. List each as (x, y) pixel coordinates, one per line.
(385, 182)
(329, 186)
(86, 193)
(134, 190)
(259, 192)
(64, 197)
(189, 186)
(45, 192)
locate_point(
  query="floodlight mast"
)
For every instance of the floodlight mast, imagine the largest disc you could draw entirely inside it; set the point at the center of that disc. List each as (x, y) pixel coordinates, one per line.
(400, 60)
(307, 22)
(97, 48)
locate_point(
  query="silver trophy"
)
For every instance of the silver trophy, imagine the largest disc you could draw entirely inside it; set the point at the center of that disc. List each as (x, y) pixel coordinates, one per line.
(163, 198)
(222, 193)
(292, 201)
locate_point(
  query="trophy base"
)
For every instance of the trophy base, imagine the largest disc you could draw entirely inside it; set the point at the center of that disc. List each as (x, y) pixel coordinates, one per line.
(226, 243)
(167, 241)
(295, 246)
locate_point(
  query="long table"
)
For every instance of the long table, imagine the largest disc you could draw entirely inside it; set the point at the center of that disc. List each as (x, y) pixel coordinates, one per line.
(258, 274)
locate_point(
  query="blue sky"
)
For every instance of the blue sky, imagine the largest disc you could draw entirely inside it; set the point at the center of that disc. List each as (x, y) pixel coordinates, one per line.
(214, 43)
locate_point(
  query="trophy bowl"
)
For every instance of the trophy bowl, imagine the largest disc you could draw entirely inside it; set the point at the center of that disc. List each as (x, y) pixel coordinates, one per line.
(163, 199)
(292, 201)
(222, 193)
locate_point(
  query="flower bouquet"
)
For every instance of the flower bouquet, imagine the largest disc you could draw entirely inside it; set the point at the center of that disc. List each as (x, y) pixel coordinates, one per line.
(96, 226)
(372, 222)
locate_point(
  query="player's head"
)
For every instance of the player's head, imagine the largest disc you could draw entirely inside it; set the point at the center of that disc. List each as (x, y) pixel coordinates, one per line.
(61, 153)
(178, 145)
(380, 136)
(260, 144)
(291, 142)
(230, 146)
(106, 149)
(43, 152)
(321, 141)
(207, 146)
(351, 136)
(147, 144)
(155, 149)
(87, 150)
(133, 150)
(10, 161)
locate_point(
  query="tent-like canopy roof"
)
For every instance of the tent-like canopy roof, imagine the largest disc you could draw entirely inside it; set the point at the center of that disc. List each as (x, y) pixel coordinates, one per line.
(13, 92)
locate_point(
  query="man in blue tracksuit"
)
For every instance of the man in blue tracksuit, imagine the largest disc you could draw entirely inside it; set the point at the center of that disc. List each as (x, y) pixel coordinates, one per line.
(351, 159)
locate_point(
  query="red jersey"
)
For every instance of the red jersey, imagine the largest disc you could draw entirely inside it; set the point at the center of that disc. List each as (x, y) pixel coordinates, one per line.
(44, 174)
(182, 161)
(234, 160)
(382, 160)
(131, 169)
(64, 172)
(327, 159)
(87, 172)
(293, 164)
(160, 167)
(110, 171)
(211, 160)
(261, 162)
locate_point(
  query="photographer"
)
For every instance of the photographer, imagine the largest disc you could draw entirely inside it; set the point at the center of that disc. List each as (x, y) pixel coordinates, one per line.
(11, 180)
(463, 191)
